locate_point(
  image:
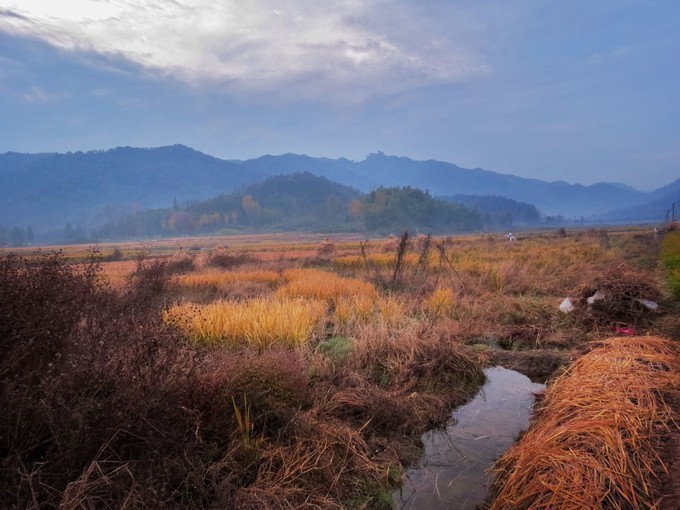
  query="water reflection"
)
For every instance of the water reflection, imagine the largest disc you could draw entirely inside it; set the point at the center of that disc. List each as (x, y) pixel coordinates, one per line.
(451, 472)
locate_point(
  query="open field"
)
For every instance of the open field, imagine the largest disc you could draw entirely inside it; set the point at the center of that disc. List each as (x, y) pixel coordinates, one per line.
(286, 370)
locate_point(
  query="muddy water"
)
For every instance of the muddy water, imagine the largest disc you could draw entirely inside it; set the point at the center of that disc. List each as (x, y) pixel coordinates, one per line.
(451, 473)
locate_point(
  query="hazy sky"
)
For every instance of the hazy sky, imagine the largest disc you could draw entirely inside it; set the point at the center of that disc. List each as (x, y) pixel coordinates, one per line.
(575, 90)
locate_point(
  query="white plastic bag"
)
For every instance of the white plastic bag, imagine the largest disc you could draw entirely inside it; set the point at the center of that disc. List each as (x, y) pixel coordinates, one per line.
(566, 306)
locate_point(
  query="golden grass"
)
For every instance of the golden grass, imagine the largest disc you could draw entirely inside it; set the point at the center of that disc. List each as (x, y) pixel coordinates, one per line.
(258, 322)
(375, 260)
(217, 278)
(441, 303)
(392, 311)
(593, 443)
(318, 284)
(352, 311)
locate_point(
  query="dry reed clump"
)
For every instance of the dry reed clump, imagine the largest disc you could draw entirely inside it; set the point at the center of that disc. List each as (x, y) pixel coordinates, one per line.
(594, 443)
(258, 323)
(414, 363)
(226, 259)
(326, 249)
(180, 262)
(620, 295)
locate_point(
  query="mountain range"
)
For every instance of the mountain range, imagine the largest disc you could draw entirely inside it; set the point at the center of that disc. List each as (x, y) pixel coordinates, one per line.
(48, 190)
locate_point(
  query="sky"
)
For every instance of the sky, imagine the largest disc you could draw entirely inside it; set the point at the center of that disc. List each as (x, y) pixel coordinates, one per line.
(582, 91)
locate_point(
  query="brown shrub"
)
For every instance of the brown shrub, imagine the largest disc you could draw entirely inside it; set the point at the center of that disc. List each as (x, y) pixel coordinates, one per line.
(226, 259)
(180, 262)
(412, 363)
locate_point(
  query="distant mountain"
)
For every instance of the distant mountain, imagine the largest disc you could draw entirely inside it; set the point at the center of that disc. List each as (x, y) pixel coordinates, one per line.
(89, 189)
(49, 190)
(660, 201)
(12, 161)
(446, 179)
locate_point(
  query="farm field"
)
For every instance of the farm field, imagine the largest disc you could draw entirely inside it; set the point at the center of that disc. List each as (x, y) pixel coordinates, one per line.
(300, 370)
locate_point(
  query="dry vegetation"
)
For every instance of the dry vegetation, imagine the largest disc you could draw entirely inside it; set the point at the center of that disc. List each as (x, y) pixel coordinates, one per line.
(596, 439)
(280, 372)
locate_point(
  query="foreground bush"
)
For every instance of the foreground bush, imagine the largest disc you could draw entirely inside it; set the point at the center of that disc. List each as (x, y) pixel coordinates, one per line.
(105, 406)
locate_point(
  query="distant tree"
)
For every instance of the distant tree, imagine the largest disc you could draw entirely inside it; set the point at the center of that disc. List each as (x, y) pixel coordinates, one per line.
(252, 209)
(182, 221)
(69, 232)
(354, 209)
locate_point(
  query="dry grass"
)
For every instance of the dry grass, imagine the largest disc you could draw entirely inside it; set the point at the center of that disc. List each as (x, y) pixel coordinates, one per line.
(317, 284)
(118, 272)
(258, 323)
(218, 279)
(351, 312)
(441, 303)
(595, 441)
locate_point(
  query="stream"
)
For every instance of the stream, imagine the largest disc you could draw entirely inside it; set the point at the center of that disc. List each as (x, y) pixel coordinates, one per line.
(451, 474)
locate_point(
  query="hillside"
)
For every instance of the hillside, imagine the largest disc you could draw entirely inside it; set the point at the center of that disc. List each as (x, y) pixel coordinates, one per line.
(445, 179)
(660, 201)
(500, 212)
(284, 202)
(88, 189)
(301, 201)
(93, 187)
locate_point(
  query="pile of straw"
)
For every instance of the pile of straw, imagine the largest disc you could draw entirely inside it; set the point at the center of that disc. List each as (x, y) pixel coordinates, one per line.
(596, 439)
(621, 294)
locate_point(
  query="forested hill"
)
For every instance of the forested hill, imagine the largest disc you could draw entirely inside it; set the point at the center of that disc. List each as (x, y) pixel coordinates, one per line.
(500, 212)
(300, 201)
(446, 179)
(86, 190)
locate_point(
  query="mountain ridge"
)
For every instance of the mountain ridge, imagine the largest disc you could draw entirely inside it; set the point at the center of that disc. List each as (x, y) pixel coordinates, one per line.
(48, 190)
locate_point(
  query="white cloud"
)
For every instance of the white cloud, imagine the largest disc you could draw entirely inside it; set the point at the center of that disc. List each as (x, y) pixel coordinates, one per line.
(38, 95)
(35, 95)
(347, 49)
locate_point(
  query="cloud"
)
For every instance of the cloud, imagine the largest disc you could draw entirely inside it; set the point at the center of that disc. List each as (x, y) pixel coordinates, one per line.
(347, 50)
(35, 95)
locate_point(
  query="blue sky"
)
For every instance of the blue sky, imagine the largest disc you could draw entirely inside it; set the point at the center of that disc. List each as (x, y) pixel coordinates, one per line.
(581, 91)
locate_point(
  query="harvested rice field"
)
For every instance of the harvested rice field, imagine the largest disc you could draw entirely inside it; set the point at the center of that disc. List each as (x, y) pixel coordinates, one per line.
(307, 371)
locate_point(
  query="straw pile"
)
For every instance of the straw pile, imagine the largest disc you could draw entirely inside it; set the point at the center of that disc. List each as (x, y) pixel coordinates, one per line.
(596, 439)
(619, 296)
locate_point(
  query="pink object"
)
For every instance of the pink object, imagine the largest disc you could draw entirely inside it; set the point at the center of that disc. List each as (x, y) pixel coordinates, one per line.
(626, 331)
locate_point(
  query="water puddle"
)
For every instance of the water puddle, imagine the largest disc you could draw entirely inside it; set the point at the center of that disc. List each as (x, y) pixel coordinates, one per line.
(451, 473)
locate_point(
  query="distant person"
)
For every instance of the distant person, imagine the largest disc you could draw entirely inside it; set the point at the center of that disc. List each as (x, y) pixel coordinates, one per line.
(511, 237)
